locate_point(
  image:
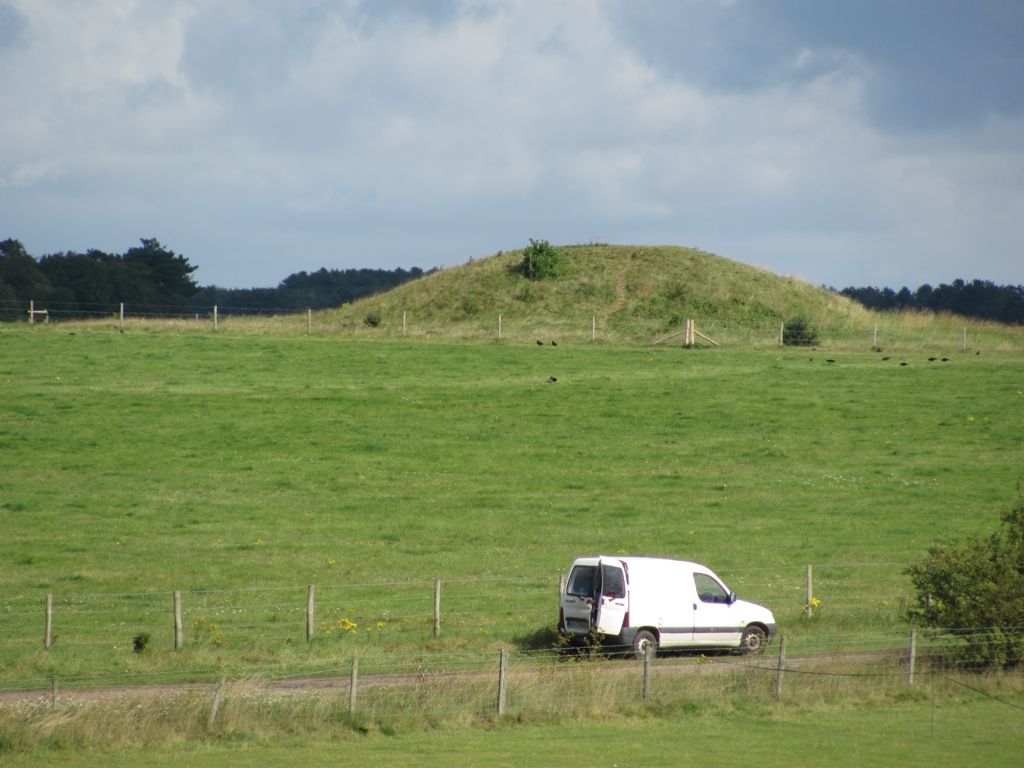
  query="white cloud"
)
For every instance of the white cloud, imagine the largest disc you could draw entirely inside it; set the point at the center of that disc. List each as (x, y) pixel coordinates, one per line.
(315, 129)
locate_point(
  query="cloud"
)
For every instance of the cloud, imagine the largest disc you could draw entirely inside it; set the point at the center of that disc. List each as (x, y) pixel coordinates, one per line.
(261, 138)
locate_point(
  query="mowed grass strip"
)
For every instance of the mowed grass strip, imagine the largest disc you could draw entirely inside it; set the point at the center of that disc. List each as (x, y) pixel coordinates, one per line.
(920, 730)
(241, 468)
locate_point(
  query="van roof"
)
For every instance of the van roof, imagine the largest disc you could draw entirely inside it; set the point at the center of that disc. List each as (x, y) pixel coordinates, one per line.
(639, 560)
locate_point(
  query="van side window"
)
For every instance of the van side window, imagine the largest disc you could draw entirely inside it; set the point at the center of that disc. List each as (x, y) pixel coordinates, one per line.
(614, 581)
(709, 590)
(581, 581)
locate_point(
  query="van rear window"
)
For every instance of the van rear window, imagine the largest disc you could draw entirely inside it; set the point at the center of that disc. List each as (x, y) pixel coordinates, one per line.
(613, 582)
(581, 581)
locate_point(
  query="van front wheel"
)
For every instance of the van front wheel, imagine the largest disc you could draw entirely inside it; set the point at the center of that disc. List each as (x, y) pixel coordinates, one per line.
(643, 640)
(754, 640)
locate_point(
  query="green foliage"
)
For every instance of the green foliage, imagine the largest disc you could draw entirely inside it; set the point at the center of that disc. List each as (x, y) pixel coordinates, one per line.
(975, 593)
(799, 332)
(541, 260)
(20, 280)
(978, 298)
(316, 290)
(84, 284)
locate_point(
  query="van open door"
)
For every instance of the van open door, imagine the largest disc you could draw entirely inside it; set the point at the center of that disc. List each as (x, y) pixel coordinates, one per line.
(612, 605)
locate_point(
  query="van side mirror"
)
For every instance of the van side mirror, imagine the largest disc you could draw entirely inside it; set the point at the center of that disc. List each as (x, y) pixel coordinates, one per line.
(732, 598)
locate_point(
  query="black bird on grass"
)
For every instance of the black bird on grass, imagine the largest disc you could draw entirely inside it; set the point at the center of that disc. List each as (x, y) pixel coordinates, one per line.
(887, 358)
(945, 359)
(540, 343)
(830, 360)
(552, 379)
(904, 363)
(554, 343)
(932, 359)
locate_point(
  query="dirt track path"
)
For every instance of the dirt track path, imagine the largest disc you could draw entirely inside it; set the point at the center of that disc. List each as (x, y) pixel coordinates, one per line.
(663, 668)
(620, 293)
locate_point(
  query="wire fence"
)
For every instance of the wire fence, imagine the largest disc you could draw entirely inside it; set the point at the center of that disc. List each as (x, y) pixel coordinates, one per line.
(498, 683)
(892, 332)
(385, 614)
(431, 646)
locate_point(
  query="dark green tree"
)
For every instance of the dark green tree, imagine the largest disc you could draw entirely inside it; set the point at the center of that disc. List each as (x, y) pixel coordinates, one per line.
(167, 276)
(20, 280)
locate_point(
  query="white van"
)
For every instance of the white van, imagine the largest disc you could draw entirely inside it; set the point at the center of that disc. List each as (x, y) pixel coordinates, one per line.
(642, 602)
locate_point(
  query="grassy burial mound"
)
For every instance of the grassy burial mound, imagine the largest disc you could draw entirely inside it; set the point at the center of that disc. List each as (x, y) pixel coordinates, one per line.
(631, 293)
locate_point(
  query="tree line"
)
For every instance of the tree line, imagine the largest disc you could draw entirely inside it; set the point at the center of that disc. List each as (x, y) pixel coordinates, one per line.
(158, 281)
(322, 289)
(155, 280)
(978, 298)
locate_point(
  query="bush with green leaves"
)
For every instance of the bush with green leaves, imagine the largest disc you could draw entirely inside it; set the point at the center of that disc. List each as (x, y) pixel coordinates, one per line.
(542, 260)
(799, 333)
(974, 593)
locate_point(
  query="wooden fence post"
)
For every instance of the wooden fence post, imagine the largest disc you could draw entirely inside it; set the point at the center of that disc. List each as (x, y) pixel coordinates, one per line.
(781, 668)
(121, 314)
(782, 332)
(437, 607)
(963, 340)
(809, 592)
(502, 680)
(310, 612)
(353, 686)
(309, 321)
(179, 628)
(593, 327)
(215, 317)
(561, 584)
(405, 323)
(874, 338)
(54, 691)
(218, 696)
(648, 653)
(912, 661)
(48, 637)
(499, 327)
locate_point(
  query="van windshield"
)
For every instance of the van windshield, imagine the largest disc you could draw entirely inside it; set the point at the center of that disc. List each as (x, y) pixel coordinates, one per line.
(581, 581)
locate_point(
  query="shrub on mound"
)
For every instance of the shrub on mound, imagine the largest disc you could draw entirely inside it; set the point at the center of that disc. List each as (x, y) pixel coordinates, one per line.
(541, 260)
(799, 333)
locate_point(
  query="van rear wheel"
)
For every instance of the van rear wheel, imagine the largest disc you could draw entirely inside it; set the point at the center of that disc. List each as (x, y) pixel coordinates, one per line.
(753, 641)
(643, 640)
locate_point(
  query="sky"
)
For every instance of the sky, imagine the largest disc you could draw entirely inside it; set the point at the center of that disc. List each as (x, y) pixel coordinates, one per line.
(853, 142)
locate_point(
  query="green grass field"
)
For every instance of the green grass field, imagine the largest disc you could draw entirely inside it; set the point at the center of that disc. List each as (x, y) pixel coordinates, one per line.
(240, 468)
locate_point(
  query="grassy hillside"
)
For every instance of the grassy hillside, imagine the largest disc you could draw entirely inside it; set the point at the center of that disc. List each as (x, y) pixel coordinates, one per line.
(242, 468)
(633, 292)
(626, 295)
